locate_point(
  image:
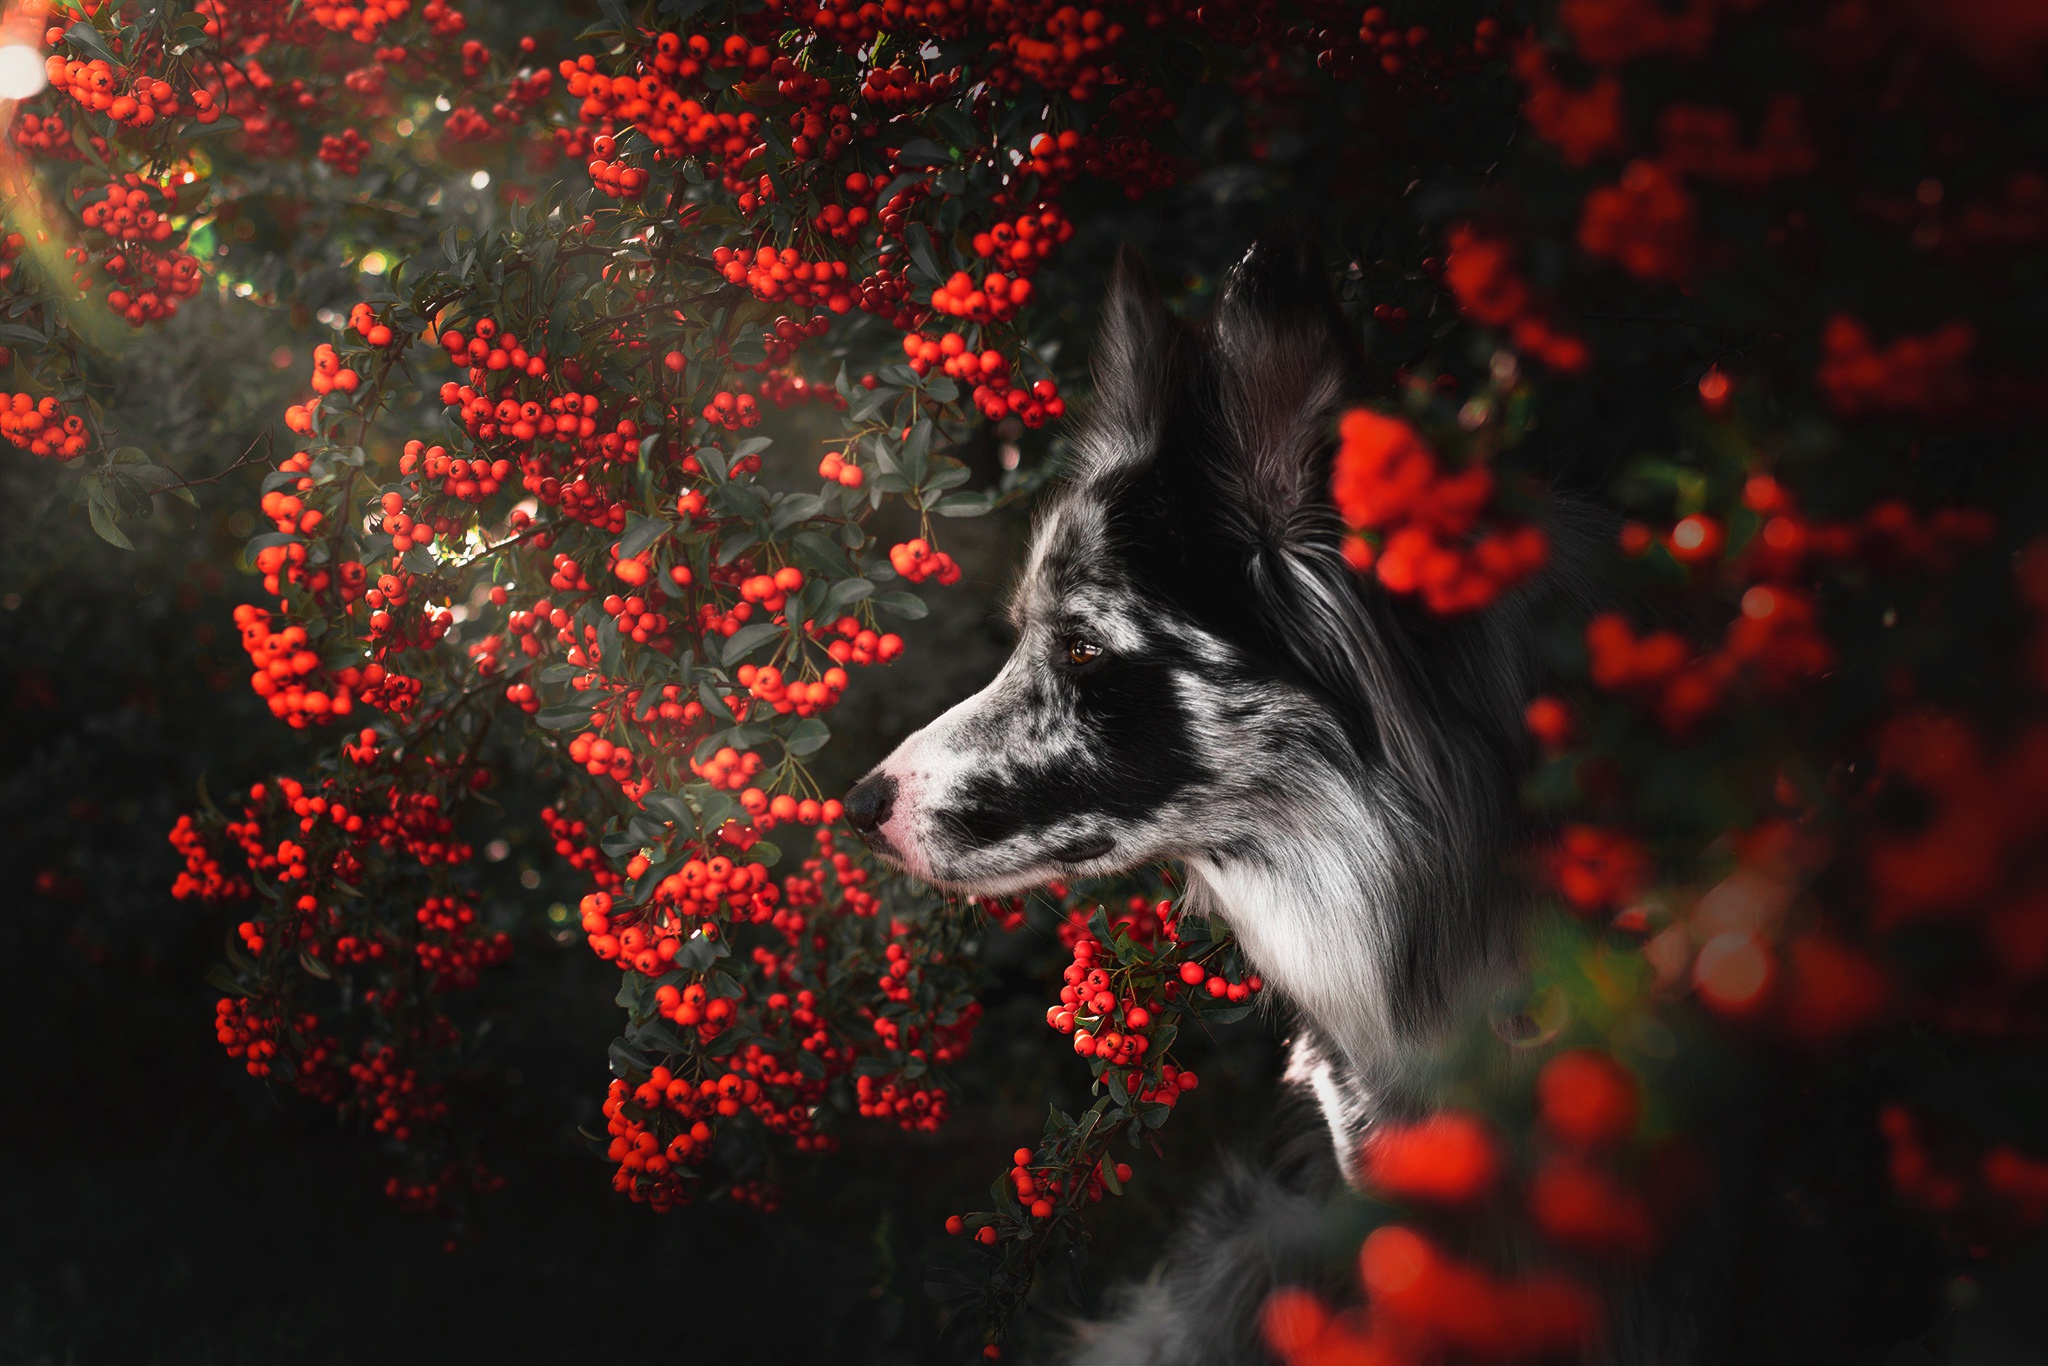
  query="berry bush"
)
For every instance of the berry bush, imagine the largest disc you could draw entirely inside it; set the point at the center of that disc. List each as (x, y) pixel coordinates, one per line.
(647, 369)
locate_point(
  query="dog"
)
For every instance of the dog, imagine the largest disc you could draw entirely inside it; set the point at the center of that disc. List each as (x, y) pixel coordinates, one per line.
(1201, 677)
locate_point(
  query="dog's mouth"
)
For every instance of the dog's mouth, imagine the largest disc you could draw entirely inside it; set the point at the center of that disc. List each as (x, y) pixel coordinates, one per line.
(962, 871)
(1085, 850)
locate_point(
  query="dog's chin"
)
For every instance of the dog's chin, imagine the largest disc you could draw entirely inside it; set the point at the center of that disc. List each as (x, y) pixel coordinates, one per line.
(963, 872)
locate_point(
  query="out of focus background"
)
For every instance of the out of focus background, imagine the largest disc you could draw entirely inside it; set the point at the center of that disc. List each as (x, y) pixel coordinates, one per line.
(1766, 281)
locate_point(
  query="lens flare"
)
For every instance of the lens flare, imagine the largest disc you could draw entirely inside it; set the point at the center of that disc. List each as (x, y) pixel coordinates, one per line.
(21, 72)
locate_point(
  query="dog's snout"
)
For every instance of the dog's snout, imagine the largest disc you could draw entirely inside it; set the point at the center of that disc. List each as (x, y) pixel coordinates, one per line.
(869, 804)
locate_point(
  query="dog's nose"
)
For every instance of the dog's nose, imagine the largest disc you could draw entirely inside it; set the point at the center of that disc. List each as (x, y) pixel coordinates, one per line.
(869, 804)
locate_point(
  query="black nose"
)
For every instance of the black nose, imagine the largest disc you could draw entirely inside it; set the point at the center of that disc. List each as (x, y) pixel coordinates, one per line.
(869, 804)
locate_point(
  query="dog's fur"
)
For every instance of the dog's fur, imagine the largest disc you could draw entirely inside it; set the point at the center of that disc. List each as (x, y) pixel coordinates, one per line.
(1334, 768)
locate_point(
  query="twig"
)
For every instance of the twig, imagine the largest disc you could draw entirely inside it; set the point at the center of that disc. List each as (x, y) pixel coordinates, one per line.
(263, 439)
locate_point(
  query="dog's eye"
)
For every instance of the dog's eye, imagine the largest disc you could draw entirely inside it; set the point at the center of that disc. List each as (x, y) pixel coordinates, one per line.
(1081, 650)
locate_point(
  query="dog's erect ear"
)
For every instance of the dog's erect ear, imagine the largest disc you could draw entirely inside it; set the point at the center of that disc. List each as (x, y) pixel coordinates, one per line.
(1288, 363)
(1286, 368)
(1132, 367)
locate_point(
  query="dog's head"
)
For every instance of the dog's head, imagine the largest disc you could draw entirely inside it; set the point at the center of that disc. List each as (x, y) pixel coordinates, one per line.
(1196, 666)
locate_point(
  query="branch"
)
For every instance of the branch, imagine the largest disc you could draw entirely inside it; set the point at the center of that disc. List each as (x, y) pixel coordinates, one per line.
(263, 439)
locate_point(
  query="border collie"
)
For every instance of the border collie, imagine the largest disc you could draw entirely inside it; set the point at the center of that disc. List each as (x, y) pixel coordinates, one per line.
(1200, 677)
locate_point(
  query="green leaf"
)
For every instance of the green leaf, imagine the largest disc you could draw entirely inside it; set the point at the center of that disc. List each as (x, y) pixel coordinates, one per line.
(718, 807)
(746, 640)
(909, 606)
(922, 254)
(669, 807)
(130, 496)
(794, 508)
(965, 504)
(220, 127)
(714, 704)
(658, 1034)
(846, 592)
(86, 38)
(621, 843)
(747, 499)
(923, 152)
(871, 404)
(700, 953)
(641, 532)
(956, 126)
(765, 853)
(885, 457)
(818, 548)
(626, 1058)
(220, 979)
(915, 458)
(564, 717)
(808, 736)
(736, 546)
(951, 474)
(102, 519)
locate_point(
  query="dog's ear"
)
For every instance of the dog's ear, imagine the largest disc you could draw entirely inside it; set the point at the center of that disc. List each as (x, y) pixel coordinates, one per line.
(1134, 356)
(1287, 364)
(1286, 367)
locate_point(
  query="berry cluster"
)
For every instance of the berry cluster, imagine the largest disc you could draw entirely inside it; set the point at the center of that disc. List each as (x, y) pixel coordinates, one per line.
(41, 427)
(124, 97)
(344, 151)
(1647, 223)
(1924, 376)
(1774, 645)
(1480, 271)
(917, 561)
(147, 273)
(1386, 482)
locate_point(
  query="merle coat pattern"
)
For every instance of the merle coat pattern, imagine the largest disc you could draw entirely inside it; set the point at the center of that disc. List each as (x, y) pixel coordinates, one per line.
(1199, 676)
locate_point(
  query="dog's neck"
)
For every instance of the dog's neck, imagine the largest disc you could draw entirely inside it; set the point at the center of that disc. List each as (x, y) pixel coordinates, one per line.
(1340, 907)
(1297, 910)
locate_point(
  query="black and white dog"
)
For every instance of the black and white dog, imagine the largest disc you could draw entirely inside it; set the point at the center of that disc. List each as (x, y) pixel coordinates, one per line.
(1200, 677)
